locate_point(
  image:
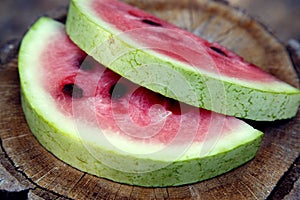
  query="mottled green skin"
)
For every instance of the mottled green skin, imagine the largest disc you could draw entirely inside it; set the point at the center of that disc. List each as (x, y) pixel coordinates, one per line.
(73, 152)
(203, 90)
(68, 146)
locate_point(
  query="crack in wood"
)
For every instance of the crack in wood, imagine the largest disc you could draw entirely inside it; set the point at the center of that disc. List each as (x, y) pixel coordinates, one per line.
(194, 192)
(168, 194)
(25, 175)
(130, 195)
(115, 195)
(287, 181)
(9, 195)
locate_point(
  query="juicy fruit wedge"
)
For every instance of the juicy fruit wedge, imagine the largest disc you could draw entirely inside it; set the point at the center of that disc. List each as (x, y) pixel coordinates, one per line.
(103, 124)
(175, 63)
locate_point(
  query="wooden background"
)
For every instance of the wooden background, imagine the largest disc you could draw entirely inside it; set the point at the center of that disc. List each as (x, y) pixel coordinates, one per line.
(279, 15)
(274, 174)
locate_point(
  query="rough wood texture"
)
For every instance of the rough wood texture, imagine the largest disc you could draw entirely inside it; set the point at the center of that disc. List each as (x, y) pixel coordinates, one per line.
(27, 166)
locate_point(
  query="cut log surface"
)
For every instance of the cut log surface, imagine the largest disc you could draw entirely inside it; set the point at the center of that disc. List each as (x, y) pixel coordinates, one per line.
(27, 168)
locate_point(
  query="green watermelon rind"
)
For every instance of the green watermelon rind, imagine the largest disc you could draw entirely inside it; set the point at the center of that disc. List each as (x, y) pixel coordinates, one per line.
(57, 132)
(251, 100)
(73, 152)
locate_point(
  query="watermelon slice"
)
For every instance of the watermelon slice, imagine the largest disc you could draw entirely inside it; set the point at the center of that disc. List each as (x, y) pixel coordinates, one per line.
(103, 124)
(177, 64)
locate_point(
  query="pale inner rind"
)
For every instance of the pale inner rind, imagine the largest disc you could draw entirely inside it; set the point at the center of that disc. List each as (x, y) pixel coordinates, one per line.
(59, 133)
(254, 100)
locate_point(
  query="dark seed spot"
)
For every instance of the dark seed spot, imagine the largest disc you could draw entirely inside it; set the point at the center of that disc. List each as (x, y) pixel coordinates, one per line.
(73, 91)
(150, 22)
(219, 51)
(84, 64)
(137, 14)
(62, 19)
(117, 91)
(173, 106)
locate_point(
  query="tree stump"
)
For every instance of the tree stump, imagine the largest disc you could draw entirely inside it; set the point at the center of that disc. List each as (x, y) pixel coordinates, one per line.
(26, 167)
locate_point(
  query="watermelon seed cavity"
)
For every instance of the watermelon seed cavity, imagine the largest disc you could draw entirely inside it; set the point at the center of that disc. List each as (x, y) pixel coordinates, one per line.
(219, 51)
(146, 21)
(73, 91)
(150, 22)
(86, 66)
(117, 91)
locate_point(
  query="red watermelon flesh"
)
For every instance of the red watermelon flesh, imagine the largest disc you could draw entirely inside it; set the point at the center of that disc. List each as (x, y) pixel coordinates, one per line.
(101, 96)
(184, 45)
(103, 124)
(176, 63)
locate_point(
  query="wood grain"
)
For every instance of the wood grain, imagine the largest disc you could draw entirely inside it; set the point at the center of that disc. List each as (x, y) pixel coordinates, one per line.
(45, 176)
